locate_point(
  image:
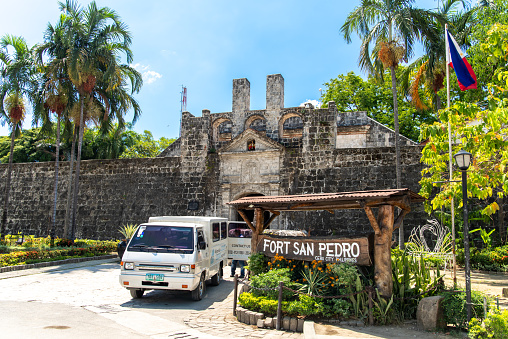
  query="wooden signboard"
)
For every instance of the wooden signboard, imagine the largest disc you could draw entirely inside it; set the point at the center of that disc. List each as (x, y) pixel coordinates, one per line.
(355, 251)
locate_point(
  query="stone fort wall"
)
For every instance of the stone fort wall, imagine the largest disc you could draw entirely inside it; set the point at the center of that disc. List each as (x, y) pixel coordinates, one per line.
(116, 192)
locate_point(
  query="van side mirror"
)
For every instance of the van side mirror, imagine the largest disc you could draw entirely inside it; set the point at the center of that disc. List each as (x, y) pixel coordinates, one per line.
(202, 245)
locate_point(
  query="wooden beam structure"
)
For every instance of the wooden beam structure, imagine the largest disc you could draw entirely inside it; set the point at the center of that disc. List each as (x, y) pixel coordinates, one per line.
(383, 225)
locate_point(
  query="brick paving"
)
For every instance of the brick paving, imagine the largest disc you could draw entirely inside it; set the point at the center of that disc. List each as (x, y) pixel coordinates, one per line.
(218, 320)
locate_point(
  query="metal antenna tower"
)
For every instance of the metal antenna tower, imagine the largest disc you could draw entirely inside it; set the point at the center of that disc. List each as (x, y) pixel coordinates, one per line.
(183, 106)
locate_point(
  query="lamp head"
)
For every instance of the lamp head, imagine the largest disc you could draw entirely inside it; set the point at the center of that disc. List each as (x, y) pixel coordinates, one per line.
(463, 159)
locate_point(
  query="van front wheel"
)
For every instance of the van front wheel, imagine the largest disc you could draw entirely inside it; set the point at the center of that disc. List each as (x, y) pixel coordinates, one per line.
(136, 294)
(198, 293)
(217, 277)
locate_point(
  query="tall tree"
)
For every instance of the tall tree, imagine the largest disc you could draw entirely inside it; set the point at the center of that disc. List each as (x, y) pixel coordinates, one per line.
(351, 93)
(57, 95)
(18, 85)
(97, 40)
(430, 69)
(392, 26)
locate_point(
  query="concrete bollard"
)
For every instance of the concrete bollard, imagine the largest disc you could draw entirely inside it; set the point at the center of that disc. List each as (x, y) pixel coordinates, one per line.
(246, 317)
(299, 326)
(293, 323)
(269, 323)
(285, 323)
(253, 318)
(241, 314)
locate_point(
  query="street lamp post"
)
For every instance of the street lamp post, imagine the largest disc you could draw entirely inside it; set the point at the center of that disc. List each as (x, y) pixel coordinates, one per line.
(463, 160)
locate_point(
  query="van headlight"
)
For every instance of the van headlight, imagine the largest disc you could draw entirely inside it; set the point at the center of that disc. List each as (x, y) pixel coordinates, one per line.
(128, 266)
(185, 268)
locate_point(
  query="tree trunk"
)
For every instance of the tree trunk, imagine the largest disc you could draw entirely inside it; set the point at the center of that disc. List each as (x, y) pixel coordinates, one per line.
(76, 180)
(397, 145)
(382, 251)
(8, 184)
(69, 188)
(500, 220)
(55, 194)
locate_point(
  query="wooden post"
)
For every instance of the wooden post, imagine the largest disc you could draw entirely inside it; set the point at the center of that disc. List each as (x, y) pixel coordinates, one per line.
(235, 296)
(382, 251)
(279, 308)
(258, 228)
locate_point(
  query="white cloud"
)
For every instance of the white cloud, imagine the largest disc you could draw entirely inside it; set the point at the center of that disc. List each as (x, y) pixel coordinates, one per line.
(314, 103)
(148, 75)
(166, 53)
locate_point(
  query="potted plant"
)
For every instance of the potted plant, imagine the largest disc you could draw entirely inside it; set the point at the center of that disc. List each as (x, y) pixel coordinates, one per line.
(127, 231)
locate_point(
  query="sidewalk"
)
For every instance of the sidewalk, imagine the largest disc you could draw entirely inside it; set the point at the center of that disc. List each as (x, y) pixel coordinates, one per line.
(218, 320)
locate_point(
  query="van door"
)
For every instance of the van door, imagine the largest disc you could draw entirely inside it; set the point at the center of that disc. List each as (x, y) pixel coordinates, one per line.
(203, 258)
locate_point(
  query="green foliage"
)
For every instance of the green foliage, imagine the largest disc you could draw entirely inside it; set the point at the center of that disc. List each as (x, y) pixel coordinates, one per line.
(33, 255)
(30, 146)
(487, 178)
(383, 311)
(411, 278)
(305, 305)
(493, 259)
(454, 307)
(351, 93)
(486, 237)
(494, 326)
(258, 263)
(127, 231)
(271, 279)
(313, 281)
(266, 305)
(146, 147)
(35, 146)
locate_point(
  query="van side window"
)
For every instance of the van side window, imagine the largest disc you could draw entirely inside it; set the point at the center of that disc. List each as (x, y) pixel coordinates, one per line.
(201, 236)
(216, 231)
(223, 230)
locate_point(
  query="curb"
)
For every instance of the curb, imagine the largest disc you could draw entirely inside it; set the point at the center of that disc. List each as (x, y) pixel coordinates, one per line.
(308, 330)
(55, 263)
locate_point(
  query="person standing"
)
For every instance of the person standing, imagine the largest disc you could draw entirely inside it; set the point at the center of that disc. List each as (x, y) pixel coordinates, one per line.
(240, 263)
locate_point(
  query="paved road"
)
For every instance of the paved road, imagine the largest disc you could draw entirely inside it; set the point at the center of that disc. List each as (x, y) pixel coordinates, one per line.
(85, 300)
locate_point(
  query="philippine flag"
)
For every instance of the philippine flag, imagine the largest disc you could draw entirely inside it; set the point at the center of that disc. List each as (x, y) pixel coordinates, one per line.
(456, 59)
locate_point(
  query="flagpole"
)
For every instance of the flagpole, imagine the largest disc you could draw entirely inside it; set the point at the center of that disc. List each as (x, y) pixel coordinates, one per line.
(450, 154)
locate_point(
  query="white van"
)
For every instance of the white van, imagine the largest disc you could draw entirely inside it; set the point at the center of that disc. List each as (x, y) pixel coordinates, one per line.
(175, 253)
(239, 239)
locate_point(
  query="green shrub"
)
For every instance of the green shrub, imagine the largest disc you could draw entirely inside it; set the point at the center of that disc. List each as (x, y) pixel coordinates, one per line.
(488, 259)
(270, 280)
(267, 306)
(411, 278)
(305, 305)
(258, 263)
(35, 255)
(454, 307)
(495, 326)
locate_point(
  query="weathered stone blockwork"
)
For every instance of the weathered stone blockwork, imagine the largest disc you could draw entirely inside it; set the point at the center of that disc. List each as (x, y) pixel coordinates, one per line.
(112, 193)
(224, 156)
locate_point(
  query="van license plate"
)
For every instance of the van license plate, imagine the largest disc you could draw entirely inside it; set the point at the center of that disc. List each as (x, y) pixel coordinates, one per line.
(154, 277)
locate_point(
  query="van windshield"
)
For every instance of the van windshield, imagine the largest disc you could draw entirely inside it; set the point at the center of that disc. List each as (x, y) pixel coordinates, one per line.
(163, 239)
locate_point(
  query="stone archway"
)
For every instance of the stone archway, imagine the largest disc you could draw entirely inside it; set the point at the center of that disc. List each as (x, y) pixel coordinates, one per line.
(291, 126)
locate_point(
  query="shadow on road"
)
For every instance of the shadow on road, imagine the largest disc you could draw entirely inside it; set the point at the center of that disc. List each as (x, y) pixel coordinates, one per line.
(161, 299)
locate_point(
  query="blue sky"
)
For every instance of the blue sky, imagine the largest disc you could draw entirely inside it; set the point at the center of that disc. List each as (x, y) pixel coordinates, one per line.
(205, 44)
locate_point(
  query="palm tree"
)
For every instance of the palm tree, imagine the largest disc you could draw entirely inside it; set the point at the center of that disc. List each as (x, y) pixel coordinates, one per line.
(18, 84)
(96, 38)
(392, 26)
(431, 67)
(57, 95)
